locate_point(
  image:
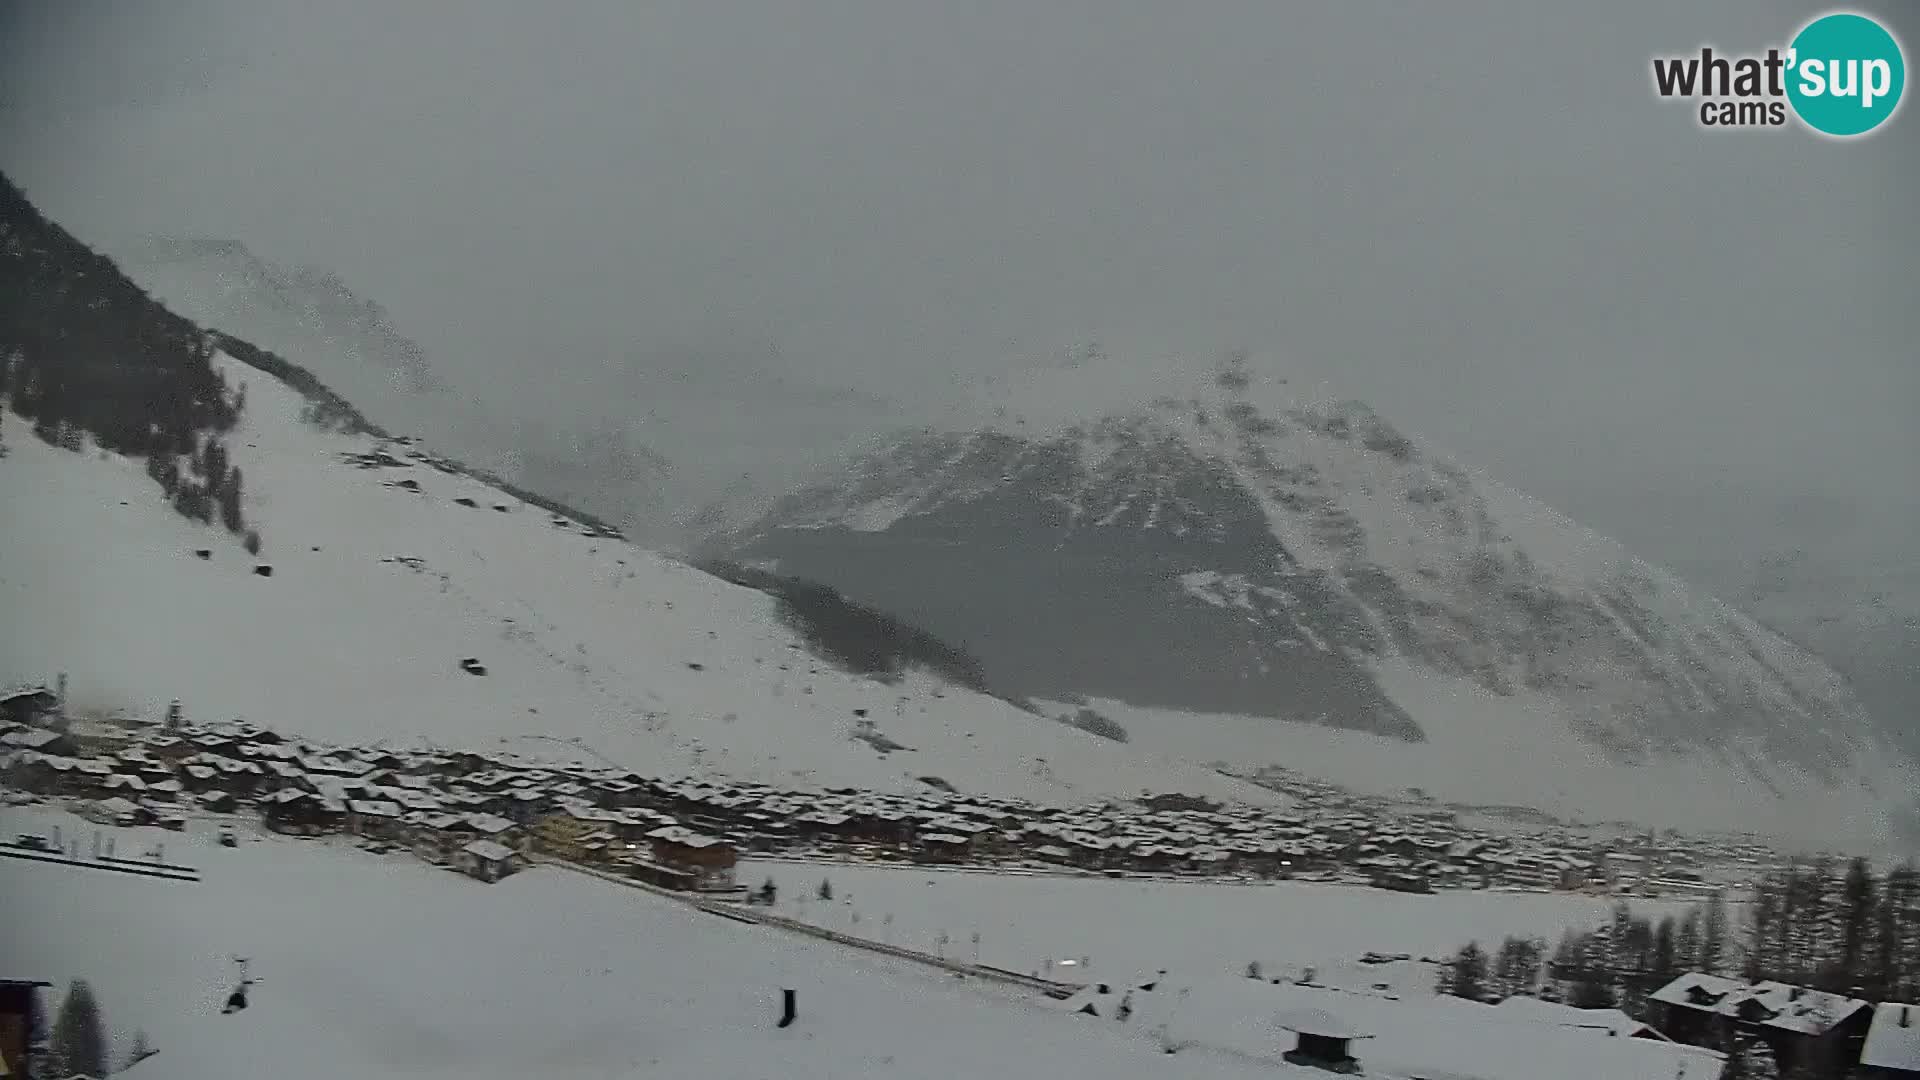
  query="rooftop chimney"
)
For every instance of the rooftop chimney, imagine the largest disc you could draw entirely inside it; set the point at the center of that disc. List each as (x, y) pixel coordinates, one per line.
(1906, 1016)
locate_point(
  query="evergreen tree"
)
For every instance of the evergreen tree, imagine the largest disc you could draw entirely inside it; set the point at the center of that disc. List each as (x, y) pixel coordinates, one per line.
(1617, 944)
(230, 517)
(1467, 976)
(1665, 957)
(1713, 936)
(1859, 895)
(1686, 945)
(1897, 938)
(1591, 994)
(79, 1040)
(826, 889)
(1763, 921)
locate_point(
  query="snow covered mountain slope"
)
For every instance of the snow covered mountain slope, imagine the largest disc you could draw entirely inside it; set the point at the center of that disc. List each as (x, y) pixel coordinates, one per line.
(350, 342)
(1226, 549)
(387, 571)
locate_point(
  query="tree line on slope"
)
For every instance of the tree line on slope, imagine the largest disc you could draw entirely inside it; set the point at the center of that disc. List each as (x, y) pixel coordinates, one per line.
(857, 638)
(1809, 924)
(84, 352)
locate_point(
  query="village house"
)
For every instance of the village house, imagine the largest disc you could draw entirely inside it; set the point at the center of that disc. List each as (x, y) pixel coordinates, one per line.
(495, 828)
(488, 861)
(301, 813)
(942, 848)
(375, 818)
(564, 833)
(1688, 1007)
(435, 836)
(1803, 1028)
(1807, 1029)
(38, 740)
(34, 706)
(708, 859)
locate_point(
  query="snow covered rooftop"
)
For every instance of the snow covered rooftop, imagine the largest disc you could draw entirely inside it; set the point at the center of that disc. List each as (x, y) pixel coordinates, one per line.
(1893, 1042)
(1791, 1008)
(1697, 990)
(488, 850)
(1319, 1022)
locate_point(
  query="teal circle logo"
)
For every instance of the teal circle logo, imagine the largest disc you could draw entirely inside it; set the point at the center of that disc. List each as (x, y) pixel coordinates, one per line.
(1845, 74)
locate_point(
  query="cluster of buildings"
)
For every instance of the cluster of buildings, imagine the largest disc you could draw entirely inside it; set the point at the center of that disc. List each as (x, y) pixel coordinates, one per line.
(486, 813)
(1811, 1031)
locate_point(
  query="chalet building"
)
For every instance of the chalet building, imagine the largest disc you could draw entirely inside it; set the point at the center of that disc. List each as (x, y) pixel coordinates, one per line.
(436, 836)
(495, 828)
(1821, 1033)
(28, 771)
(40, 741)
(242, 778)
(708, 859)
(1806, 1029)
(641, 868)
(124, 784)
(298, 813)
(564, 833)
(34, 706)
(488, 861)
(943, 848)
(170, 748)
(1892, 1047)
(217, 802)
(115, 811)
(377, 818)
(89, 777)
(617, 794)
(1688, 1007)
(523, 805)
(198, 776)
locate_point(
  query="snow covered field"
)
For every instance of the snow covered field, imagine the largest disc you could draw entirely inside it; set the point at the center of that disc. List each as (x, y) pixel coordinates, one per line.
(378, 966)
(382, 966)
(1030, 924)
(383, 581)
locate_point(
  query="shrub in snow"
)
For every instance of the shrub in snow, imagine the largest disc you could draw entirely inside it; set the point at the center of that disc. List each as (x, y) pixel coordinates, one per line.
(1094, 723)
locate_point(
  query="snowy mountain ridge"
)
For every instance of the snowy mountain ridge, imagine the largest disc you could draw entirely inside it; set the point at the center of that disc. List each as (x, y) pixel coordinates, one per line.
(220, 282)
(384, 567)
(1228, 548)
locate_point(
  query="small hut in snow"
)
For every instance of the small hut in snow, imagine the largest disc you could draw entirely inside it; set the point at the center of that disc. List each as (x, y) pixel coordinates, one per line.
(1323, 1040)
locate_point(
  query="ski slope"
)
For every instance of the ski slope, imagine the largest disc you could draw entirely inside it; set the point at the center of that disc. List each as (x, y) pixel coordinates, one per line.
(382, 583)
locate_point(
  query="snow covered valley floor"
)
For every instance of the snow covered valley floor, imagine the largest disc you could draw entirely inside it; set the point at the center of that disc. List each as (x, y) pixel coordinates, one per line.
(380, 966)
(1131, 928)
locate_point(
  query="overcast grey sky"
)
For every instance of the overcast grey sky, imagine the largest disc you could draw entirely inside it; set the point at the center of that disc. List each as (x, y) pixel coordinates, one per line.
(1475, 216)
